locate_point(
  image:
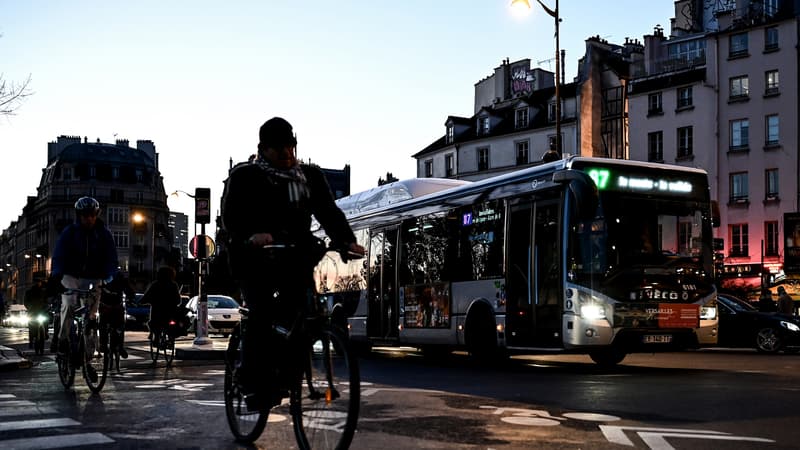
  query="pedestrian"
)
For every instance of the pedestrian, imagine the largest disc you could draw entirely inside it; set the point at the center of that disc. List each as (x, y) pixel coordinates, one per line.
(785, 302)
(765, 302)
(36, 303)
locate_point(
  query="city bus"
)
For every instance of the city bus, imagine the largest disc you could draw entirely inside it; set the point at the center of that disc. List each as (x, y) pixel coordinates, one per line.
(597, 256)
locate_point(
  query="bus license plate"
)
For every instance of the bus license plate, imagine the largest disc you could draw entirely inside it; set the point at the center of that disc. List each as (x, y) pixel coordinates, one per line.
(657, 338)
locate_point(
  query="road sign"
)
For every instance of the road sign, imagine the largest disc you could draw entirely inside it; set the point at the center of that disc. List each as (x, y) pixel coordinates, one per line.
(202, 246)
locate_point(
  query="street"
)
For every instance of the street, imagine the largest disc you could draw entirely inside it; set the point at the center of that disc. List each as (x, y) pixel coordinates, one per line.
(703, 399)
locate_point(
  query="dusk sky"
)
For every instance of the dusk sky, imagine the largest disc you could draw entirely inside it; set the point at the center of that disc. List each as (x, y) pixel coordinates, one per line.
(365, 83)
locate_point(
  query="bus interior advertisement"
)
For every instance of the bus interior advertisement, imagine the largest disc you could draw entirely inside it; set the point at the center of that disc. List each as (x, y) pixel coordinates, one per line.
(426, 306)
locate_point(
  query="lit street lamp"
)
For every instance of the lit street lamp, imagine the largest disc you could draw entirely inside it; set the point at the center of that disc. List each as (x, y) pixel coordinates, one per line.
(554, 14)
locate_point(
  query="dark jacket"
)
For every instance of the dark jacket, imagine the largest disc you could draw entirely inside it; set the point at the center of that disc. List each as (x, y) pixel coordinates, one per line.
(164, 297)
(256, 202)
(85, 253)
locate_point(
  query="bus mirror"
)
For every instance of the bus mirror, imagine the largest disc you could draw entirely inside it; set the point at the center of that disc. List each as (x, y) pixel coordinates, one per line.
(715, 214)
(583, 190)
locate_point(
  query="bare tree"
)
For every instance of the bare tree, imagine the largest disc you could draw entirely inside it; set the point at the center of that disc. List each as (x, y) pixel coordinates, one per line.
(12, 94)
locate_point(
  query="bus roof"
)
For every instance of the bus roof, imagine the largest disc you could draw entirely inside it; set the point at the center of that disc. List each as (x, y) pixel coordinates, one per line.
(394, 192)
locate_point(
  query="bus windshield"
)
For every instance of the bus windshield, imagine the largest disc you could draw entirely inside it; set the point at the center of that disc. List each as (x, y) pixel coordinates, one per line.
(641, 243)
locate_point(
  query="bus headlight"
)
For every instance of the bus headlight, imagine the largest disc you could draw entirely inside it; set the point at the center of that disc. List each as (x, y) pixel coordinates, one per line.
(592, 312)
(790, 326)
(708, 312)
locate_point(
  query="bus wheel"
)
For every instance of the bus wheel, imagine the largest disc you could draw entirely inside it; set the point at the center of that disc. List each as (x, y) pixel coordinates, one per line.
(608, 357)
(481, 336)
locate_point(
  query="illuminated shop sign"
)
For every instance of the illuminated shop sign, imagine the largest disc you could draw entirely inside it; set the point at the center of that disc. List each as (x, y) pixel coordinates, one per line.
(607, 179)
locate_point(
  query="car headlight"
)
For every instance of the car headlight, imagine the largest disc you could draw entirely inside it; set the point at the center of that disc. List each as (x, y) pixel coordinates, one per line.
(708, 312)
(41, 318)
(790, 326)
(210, 317)
(592, 312)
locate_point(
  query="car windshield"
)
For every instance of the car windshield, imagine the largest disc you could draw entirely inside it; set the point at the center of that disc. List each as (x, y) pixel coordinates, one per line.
(221, 302)
(736, 304)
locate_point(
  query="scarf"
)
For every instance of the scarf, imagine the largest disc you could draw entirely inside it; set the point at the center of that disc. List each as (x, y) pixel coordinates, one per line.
(295, 179)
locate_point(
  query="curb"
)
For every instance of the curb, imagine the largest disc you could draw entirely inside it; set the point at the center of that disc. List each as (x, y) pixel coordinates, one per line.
(11, 358)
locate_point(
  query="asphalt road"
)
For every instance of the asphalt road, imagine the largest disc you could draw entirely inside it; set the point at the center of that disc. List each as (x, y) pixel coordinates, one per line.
(693, 400)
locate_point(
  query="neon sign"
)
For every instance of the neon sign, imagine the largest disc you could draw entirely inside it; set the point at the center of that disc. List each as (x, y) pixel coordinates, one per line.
(605, 179)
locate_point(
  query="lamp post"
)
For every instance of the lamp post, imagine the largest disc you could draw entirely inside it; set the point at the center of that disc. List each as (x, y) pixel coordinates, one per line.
(554, 14)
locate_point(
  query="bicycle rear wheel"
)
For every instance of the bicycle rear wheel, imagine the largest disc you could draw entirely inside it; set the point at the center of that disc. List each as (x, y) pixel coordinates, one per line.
(66, 371)
(154, 348)
(95, 363)
(325, 408)
(168, 343)
(245, 425)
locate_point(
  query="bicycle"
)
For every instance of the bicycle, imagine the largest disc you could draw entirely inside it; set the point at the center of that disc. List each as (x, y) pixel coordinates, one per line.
(163, 342)
(82, 351)
(323, 381)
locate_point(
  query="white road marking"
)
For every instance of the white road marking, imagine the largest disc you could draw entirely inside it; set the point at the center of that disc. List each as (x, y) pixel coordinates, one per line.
(7, 396)
(37, 423)
(17, 411)
(657, 441)
(60, 441)
(591, 417)
(16, 403)
(655, 438)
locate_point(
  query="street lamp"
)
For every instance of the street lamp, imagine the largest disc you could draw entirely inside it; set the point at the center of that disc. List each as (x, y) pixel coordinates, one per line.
(554, 14)
(139, 218)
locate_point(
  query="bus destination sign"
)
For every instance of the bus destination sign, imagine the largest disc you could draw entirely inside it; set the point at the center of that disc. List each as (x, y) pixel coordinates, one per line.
(608, 179)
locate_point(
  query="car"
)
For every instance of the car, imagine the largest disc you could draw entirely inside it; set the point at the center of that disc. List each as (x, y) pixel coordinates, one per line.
(16, 316)
(223, 314)
(136, 314)
(742, 325)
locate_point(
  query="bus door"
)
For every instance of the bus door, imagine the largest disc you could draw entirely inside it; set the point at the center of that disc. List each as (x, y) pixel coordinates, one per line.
(382, 316)
(533, 311)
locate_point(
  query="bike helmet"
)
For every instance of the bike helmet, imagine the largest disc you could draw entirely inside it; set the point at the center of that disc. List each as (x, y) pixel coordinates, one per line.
(87, 206)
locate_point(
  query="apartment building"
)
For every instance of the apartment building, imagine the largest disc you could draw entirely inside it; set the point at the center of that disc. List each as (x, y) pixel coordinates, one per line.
(721, 93)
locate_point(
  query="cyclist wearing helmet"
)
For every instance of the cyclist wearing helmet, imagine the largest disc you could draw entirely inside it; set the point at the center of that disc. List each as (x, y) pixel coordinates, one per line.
(271, 199)
(85, 254)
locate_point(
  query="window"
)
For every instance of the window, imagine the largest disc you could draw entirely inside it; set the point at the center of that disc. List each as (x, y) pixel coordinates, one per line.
(448, 165)
(740, 135)
(654, 103)
(739, 193)
(67, 173)
(139, 197)
(117, 215)
(771, 179)
(483, 158)
(687, 51)
(738, 45)
(428, 168)
(740, 87)
(121, 239)
(772, 128)
(770, 7)
(522, 153)
(770, 39)
(139, 176)
(772, 82)
(551, 111)
(521, 118)
(771, 238)
(117, 195)
(739, 246)
(483, 125)
(684, 142)
(450, 134)
(655, 146)
(115, 172)
(684, 97)
(685, 238)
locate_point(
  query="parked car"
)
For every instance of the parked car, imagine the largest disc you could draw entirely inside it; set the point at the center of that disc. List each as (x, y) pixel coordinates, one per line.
(136, 314)
(742, 325)
(223, 314)
(16, 316)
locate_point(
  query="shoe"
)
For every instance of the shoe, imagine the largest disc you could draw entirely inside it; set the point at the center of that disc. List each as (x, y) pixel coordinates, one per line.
(91, 374)
(123, 353)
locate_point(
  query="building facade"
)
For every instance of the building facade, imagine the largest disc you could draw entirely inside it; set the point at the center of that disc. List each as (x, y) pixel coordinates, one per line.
(127, 183)
(514, 123)
(721, 93)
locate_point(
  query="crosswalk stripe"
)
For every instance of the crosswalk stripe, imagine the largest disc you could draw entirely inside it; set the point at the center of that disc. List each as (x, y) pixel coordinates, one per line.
(16, 411)
(16, 403)
(60, 441)
(7, 396)
(37, 423)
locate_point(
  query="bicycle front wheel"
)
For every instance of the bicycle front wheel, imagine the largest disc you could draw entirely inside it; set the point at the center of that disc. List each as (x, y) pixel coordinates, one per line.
(66, 370)
(245, 425)
(95, 363)
(325, 407)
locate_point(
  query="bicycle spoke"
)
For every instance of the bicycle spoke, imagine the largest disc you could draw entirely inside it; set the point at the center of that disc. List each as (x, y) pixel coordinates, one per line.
(330, 397)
